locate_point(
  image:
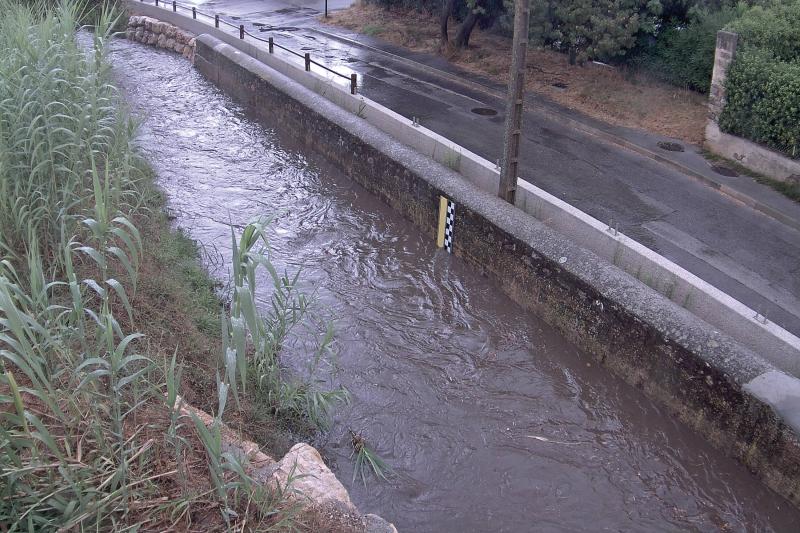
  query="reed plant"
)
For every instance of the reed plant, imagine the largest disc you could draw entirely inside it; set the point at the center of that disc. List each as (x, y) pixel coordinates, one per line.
(91, 431)
(253, 341)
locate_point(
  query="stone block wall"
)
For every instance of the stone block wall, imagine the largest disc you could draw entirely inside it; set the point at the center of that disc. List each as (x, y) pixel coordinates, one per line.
(150, 31)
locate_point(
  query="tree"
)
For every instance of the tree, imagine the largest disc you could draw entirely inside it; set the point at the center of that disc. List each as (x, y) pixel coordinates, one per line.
(472, 13)
(592, 29)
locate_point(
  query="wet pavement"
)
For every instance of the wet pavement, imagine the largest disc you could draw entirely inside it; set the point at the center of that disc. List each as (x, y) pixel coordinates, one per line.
(490, 420)
(746, 254)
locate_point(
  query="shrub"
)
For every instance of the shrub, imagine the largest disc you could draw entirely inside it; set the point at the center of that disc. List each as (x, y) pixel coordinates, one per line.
(775, 28)
(763, 84)
(590, 29)
(682, 54)
(763, 100)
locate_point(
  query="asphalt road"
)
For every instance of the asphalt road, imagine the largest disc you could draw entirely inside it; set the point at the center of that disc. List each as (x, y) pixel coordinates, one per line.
(752, 257)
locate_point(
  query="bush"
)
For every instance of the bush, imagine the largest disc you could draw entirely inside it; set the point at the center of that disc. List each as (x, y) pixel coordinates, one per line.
(589, 29)
(683, 54)
(775, 28)
(763, 100)
(763, 84)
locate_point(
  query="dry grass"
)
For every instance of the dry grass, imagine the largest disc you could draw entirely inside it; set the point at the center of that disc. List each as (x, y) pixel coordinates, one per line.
(610, 94)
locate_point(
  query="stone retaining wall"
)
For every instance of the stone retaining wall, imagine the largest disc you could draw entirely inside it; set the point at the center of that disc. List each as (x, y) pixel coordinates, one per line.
(738, 401)
(153, 32)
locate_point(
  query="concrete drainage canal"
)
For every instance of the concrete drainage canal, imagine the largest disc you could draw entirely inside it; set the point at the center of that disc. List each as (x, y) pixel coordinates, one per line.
(489, 419)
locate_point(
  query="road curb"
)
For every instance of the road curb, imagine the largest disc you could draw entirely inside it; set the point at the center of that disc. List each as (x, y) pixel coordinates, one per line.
(603, 135)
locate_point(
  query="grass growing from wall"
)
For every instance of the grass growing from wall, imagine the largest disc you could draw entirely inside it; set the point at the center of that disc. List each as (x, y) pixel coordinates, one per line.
(106, 315)
(787, 188)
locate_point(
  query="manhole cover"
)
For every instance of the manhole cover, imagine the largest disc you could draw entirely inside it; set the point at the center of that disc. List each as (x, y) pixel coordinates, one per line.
(670, 146)
(484, 111)
(560, 85)
(725, 171)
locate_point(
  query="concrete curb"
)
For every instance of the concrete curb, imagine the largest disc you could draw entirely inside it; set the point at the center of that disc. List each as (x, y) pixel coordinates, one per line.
(603, 135)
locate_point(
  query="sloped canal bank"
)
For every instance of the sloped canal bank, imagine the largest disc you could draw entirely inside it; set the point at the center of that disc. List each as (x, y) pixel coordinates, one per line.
(491, 420)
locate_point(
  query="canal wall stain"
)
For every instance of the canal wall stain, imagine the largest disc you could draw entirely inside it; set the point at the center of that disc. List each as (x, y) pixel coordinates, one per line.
(655, 345)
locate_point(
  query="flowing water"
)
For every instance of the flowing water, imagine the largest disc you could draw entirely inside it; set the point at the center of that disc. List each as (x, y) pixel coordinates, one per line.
(491, 421)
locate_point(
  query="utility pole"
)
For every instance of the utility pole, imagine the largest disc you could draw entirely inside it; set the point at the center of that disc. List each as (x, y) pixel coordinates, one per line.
(516, 92)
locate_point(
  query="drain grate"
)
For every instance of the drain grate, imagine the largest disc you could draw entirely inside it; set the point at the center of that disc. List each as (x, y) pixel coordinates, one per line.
(484, 111)
(670, 146)
(725, 171)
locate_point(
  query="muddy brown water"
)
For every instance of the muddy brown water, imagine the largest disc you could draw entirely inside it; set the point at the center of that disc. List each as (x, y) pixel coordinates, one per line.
(491, 421)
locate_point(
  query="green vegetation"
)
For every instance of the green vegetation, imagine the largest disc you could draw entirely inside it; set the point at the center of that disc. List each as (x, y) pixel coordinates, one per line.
(682, 52)
(789, 189)
(591, 29)
(673, 40)
(372, 30)
(106, 317)
(366, 460)
(772, 27)
(763, 85)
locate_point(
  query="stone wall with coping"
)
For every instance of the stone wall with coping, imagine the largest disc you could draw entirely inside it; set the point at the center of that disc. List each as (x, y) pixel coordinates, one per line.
(738, 401)
(747, 153)
(707, 302)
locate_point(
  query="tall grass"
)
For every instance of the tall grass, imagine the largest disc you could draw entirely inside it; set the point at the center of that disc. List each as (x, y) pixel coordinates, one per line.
(247, 329)
(60, 122)
(79, 391)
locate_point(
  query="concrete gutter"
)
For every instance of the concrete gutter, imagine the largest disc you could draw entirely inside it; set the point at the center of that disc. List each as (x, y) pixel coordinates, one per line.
(740, 402)
(708, 303)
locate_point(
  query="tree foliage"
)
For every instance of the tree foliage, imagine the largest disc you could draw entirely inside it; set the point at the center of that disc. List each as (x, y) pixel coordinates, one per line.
(592, 29)
(774, 26)
(682, 52)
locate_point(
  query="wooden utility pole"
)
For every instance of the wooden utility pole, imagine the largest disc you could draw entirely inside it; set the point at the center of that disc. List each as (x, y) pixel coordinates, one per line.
(509, 170)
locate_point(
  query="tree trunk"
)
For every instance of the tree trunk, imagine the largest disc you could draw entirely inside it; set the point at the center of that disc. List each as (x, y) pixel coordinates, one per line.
(447, 11)
(462, 37)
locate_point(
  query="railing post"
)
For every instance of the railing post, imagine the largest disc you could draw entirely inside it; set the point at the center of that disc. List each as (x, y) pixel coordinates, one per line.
(270, 45)
(241, 31)
(308, 61)
(156, 3)
(353, 83)
(216, 21)
(174, 6)
(194, 12)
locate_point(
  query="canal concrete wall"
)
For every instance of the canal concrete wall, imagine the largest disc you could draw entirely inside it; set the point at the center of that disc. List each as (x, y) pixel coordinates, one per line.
(740, 402)
(719, 309)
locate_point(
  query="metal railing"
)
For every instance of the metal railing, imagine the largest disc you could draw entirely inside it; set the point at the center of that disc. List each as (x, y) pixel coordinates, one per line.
(306, 57)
